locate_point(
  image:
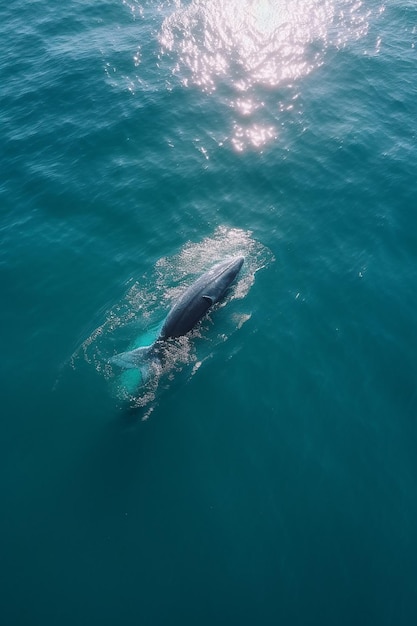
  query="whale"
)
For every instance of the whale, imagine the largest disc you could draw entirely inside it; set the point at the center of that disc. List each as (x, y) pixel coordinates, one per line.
(190, 308)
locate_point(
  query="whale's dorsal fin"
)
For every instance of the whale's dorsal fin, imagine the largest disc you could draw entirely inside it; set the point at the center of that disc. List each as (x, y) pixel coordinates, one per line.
(209, 299)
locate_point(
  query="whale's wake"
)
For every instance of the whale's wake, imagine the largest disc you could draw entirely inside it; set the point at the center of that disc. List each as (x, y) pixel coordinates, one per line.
(137, 319)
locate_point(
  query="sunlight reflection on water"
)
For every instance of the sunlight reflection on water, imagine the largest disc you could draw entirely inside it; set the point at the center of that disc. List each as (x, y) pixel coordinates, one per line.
(249, 46)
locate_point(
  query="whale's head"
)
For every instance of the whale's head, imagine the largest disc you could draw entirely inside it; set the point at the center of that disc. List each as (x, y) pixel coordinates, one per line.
(231, 268)
(223, 274)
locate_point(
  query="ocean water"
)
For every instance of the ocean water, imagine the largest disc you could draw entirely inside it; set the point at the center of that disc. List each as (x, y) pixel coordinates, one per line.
(268, 474)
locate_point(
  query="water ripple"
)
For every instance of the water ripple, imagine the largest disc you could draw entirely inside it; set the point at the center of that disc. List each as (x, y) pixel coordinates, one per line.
(248, 47)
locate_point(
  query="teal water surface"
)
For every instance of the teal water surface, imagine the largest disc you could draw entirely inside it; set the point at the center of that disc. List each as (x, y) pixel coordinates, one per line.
(268, 475)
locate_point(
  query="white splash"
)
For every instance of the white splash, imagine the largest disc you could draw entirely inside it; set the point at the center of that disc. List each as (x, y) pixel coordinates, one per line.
(147, 303)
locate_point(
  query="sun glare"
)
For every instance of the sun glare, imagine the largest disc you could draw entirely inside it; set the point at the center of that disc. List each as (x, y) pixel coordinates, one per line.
(246, 46)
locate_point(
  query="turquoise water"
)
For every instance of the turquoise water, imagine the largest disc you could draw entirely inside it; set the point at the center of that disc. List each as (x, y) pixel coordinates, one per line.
(268, 475)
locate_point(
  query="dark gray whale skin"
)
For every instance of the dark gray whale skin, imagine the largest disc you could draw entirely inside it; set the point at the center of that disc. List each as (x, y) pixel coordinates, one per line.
(194, 303)
(189, 309)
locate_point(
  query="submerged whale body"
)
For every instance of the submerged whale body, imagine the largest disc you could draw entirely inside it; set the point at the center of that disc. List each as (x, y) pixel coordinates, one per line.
(188, 310)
